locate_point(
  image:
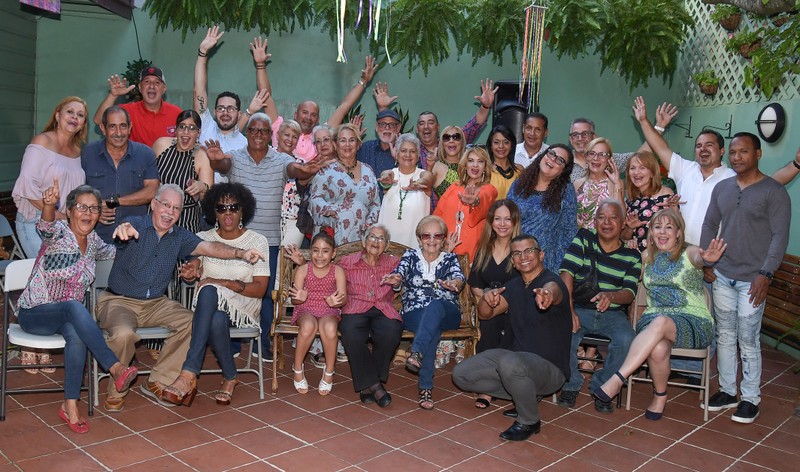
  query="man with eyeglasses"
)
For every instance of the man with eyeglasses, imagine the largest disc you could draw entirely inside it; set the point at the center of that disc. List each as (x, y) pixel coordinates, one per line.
(152, 117)
(601, 256)
(264, 171)
(124, 171)
(137, 286)
(540, 324)
(377, 153)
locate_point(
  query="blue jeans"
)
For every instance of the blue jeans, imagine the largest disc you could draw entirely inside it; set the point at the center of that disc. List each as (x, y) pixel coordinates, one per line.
(210, 326)
(427, 324)
(738, 322)
(267, 305)
(612, 324)
(684, 363)
(72, 321)
(28, 236)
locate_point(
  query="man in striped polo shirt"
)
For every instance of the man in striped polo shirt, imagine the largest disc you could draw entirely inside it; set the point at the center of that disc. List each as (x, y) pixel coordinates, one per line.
(263, 170)
(605, 313)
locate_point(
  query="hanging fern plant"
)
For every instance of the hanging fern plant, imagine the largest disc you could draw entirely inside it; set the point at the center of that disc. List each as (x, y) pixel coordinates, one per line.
(493, 27)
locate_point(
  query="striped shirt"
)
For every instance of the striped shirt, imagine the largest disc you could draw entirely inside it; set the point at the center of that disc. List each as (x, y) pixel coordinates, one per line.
(266, 179)
(364, 288)
(617, 270)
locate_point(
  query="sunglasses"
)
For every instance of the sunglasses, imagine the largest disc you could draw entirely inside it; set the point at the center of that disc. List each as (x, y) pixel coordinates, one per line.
(430, 236)
(233, 208)
(451, 137)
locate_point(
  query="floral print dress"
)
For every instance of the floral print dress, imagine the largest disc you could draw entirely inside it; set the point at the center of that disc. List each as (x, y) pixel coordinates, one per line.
(589, 195)
(645, 208)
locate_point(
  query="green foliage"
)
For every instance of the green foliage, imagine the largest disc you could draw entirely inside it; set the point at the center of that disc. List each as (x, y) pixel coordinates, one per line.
(495, 26)
(131, 74)
(742, 38)
(642, 39)
(779, 55)
(707, 77)
(575, 25)
(724, 11)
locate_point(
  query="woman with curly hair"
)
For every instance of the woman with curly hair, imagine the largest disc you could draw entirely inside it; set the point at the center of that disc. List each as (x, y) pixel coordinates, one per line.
(547, 202)
(228, 294)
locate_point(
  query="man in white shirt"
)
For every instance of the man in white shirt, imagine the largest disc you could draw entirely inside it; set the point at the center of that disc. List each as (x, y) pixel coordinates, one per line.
(534, 133)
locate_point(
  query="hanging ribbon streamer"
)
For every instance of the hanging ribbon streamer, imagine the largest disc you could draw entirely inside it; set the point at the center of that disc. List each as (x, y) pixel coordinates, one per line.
(369, 31)
(341, 57)
(533, 42)
(377, 18)
(386, 38)
(360, 9)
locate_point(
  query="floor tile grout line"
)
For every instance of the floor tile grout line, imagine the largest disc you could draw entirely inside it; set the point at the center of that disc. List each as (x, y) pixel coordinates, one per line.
(761, 441)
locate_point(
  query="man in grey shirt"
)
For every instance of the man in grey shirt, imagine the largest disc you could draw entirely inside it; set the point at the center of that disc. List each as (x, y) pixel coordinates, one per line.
(751, 212)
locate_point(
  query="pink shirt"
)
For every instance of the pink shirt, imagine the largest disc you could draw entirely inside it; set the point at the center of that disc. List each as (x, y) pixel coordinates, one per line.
(40, 166)
(364, 289)
(305, 149)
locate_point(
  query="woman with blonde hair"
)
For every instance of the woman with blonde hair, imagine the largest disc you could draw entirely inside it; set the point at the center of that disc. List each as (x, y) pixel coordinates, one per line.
(646, 196)
(601, 181)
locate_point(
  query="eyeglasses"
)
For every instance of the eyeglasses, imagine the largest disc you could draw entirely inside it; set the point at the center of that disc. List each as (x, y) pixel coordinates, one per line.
(451, 137)
(317, 142)
(262, 131)
(376, 239)
(231, 207)
(430, 236)
(583, 134)
(527, 252)
(169, 207)
(593, 154)
(385, 125)
(229, 109)
(93, 209)
(190, 128)
(559, 160)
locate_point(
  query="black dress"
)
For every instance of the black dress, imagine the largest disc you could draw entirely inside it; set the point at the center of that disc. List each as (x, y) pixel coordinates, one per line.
(492, 330)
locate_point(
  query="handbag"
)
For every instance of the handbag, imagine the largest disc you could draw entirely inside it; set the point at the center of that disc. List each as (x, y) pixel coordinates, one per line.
(583, 292)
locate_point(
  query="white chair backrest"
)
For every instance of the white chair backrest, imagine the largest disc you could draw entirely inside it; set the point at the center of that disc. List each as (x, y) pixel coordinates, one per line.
(101, 273)
(17, 275)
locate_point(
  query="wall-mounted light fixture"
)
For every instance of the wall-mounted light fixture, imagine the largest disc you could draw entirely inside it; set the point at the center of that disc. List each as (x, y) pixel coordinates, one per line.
(771, 122)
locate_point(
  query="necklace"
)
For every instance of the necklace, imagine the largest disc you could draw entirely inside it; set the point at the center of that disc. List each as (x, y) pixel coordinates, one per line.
(349, 169)
(459, 221)
(506, 173)
(402, 198)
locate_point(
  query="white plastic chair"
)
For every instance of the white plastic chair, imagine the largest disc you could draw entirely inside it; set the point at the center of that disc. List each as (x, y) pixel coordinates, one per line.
(17, 275)
(16, 252)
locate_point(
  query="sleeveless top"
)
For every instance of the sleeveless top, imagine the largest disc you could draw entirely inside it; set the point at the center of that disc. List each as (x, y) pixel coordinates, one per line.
(675, 287)
(450, 177)
(318, 288)
(177, 167)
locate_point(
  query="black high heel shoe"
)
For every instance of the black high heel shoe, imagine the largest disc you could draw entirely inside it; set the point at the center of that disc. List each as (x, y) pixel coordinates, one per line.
(652, 415)
(603, 396)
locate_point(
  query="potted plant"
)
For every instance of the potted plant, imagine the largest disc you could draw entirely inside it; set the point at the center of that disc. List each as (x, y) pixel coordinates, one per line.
(728, 16)
(708, 82)
(131, 74)
(744, 42)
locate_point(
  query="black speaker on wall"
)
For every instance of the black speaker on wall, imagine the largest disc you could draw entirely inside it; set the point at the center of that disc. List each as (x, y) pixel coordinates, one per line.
(508, 110)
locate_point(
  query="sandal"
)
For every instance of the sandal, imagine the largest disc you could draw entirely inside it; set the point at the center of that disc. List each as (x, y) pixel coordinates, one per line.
(482, 403)
(400, 357)
(326, 387)
(29, 358)
(45, 358)
(426, 399)
(300, 385)
(223, 397)
(652, 415)
(414, 362)
(172, 394)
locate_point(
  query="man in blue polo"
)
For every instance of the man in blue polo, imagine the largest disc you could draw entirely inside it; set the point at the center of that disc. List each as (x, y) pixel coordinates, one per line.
(124, 171)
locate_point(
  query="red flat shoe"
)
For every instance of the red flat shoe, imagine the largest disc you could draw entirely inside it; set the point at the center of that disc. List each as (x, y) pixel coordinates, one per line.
(125, 378)
(80, 427)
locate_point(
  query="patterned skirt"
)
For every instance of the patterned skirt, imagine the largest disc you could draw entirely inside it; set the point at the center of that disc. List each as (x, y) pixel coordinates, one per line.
(693, 332)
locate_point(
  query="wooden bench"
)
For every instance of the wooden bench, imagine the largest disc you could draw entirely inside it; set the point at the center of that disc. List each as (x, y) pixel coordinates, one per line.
(281, 324)
(782, 312)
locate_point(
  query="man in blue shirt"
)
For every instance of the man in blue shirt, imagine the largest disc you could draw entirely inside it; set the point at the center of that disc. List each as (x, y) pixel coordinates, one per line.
(145, 261)
(377, 153)
(122, 170)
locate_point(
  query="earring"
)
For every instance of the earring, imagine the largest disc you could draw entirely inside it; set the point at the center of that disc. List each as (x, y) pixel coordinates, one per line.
(216, 224)
(240, 224)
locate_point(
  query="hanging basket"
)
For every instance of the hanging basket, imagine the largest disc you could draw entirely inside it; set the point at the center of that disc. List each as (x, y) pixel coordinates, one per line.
(746, 50)
(731, 23)
(709, 89)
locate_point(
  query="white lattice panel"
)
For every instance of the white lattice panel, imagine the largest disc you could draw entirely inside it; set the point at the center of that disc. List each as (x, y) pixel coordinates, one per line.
(705, 49)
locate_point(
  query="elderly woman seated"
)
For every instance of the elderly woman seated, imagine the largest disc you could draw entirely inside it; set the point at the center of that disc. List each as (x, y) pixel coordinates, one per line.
(430, 279)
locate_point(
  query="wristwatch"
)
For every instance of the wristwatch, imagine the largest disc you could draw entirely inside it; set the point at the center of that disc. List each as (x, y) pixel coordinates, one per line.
(766, 274)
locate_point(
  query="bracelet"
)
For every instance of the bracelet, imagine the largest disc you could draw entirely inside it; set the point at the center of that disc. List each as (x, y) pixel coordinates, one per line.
(361, 83)
(248, 112)
(201, 53)
(207, 186)
(660, 129)
(484, 107)
(796, 165)
(384, 186)
(261, 67)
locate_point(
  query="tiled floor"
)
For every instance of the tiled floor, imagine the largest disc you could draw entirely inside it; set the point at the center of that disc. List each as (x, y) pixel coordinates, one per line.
(291, 432)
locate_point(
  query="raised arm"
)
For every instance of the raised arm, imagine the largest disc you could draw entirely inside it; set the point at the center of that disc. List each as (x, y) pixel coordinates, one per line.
(787, 173)
(354, 94)
(665, 113)
(208, 43)
(486, 99)
(117, 87)
(260, 57)
(651, 136)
